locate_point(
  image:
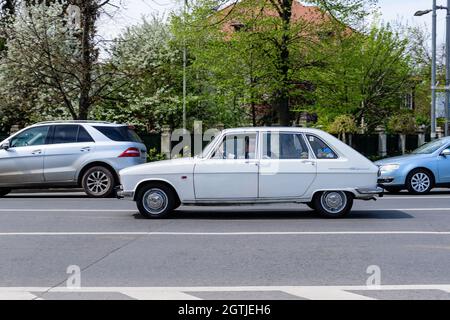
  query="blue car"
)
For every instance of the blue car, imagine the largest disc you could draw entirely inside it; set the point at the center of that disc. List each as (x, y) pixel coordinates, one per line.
(424, 169)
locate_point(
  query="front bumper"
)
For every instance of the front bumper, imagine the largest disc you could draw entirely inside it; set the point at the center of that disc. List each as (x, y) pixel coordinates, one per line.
(121, 194)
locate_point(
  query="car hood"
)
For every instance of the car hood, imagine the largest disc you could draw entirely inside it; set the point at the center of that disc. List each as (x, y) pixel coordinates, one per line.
(180, 165)
(402, 159)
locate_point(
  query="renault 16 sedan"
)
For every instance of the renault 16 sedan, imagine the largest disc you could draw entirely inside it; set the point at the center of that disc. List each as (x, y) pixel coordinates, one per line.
(257, 166)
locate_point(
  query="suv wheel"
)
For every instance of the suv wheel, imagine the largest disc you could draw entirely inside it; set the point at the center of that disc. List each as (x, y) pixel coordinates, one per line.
(4, 192)
(98, 182)
(333, 204)
(156, 201)
(419, 182)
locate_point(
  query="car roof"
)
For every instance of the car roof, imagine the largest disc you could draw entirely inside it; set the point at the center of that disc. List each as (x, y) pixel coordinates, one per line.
(88, 122)
(273, 129)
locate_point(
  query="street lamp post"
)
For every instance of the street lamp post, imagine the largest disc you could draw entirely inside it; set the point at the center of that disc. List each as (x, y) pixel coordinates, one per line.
(433, 65)
(447, 67)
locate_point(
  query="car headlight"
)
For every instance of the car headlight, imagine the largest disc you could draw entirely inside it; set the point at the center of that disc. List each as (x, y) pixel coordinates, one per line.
(389, 167)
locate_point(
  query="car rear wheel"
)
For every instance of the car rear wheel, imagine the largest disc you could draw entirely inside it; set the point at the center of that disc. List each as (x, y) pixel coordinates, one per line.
(156, 201)
(333, 204)
(419, 182)
(4, 192)
(98, 182)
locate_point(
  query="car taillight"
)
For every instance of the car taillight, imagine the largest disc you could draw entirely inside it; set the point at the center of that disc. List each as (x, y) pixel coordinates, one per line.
(130, 153)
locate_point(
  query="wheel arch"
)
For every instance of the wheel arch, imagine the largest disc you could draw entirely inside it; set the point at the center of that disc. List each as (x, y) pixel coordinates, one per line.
(351, 192)
(433, 177)
(148, 182)
(97, 164)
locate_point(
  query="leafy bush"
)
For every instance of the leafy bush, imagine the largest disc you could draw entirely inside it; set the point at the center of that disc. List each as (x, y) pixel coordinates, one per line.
(153, 155)
(404, 123)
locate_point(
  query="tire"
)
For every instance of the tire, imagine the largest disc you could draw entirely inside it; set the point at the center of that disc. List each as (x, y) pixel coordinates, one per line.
(393, 189)
(310, 205)
(333, 204)
(4, 192)
(419, 181)
(98, 182)
(163, 204)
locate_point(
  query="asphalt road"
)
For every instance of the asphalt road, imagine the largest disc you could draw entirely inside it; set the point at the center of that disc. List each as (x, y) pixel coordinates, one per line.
(399, 245)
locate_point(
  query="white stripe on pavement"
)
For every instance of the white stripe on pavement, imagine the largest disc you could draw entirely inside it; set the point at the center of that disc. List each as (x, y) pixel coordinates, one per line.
(188, 293)
(249, 210)
(249, 233)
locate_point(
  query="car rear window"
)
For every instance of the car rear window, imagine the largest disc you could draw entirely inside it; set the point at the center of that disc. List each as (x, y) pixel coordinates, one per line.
(123, 133)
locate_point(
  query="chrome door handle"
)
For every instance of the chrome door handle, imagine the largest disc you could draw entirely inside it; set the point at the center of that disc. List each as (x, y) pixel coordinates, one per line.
(309, 161)
(36, 152)
(87, 149)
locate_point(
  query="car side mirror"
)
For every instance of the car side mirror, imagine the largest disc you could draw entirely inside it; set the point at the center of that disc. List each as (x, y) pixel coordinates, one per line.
(445, 153)
(5, 145)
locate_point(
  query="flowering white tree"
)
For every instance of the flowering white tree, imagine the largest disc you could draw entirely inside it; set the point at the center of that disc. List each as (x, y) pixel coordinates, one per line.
(51, 64)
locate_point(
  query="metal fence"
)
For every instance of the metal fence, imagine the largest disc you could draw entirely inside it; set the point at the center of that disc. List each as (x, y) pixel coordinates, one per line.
(366, 144)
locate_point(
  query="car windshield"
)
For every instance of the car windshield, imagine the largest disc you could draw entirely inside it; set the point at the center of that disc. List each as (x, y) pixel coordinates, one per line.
(430, 147)
(208, 147)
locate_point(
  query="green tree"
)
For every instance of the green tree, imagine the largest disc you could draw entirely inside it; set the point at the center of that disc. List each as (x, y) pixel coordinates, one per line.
(264, 60)
(365, 75)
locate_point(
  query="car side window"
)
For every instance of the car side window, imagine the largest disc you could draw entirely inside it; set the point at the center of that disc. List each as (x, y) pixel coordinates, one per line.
(284, 146)
(236, 146)
(32, 137)
(84, 136)
(65, 134)
(320, 148)
(70, 134)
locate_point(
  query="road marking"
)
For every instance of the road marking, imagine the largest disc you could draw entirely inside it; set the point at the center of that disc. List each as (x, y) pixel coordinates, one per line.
(158, 295)
(415, 197)
(249, 210)
(249, 233)
(188, 293)
(67, 210)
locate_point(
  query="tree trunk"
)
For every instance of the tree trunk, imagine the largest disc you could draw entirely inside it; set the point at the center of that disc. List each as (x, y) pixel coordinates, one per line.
(88, 16)
(284, 64)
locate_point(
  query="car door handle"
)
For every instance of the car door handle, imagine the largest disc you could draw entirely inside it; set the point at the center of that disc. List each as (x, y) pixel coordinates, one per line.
(36, 152)
(86, 149)
(309, 162)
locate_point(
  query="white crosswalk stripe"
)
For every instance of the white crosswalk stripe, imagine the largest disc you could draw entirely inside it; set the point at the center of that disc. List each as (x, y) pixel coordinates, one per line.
(189, 293)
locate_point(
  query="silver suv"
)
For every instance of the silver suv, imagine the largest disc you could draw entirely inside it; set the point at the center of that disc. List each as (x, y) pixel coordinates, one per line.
(69, 154)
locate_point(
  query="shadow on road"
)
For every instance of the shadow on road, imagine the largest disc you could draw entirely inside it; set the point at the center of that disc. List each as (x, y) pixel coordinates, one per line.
(278, 215)
(47, 196)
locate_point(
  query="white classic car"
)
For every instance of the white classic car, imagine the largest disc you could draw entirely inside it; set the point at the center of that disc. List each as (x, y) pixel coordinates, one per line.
(253, 166)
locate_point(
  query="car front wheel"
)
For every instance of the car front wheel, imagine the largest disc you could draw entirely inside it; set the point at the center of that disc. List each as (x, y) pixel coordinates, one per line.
(419, 182)
(4, 192)
(156, 201)
(333, 204)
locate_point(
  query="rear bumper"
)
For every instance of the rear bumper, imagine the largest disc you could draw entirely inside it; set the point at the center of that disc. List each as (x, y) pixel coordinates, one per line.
(369, 193)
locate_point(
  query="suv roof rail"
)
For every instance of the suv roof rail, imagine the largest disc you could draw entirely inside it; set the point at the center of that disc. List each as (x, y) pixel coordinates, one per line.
(74, 121)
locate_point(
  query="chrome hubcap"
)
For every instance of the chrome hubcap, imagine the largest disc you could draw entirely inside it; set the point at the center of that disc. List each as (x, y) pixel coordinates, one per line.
(98, 182)
(155, 201)
(420, 182)
(333, 201)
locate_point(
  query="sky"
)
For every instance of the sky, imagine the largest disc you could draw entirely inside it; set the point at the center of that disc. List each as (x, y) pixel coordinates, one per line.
(390, 10)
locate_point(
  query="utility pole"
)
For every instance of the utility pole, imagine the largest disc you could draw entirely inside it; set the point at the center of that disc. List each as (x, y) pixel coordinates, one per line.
(433, 62)
(433, 73)
(185, 66)
(447, 68)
